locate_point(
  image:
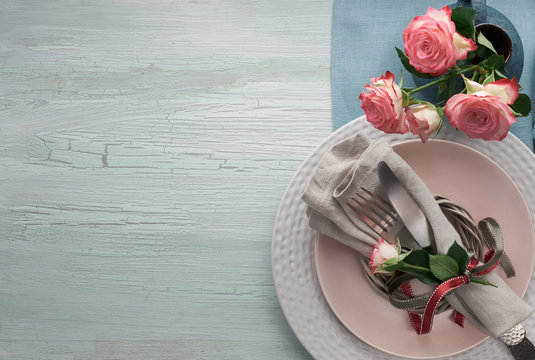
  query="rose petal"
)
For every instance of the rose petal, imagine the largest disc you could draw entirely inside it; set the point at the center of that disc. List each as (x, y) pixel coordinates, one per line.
(374, 261)
(387, 250)
(505, 89)
(442, 15)
(463, 46)
(386, 79)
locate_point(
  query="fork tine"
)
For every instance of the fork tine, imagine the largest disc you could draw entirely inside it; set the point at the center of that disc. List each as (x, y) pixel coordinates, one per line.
(386, 207)
(368, 217)
(371, 225)
(374, 208)
(379, 216)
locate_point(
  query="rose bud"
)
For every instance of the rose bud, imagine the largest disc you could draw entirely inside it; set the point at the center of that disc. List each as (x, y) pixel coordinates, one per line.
(382, 252)
(424, 120)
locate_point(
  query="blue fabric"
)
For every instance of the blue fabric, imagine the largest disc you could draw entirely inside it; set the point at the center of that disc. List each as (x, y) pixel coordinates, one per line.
(364, 34)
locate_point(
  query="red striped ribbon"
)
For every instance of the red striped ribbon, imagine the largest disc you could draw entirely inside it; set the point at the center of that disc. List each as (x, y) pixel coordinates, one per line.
(423, 323)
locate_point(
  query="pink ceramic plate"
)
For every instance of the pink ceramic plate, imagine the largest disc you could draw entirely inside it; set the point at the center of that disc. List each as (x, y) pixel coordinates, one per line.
(484, 189)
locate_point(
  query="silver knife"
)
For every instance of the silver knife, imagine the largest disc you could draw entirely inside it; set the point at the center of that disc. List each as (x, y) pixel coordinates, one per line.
(408, 209)
(414, 219)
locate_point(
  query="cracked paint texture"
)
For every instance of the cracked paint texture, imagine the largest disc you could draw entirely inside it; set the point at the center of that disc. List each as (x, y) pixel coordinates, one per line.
(144, 148)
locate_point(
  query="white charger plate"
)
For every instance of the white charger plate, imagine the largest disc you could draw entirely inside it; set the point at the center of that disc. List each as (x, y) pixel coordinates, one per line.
(293, 258)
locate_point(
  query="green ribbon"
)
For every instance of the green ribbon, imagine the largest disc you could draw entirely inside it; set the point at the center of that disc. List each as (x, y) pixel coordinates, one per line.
(493, 236)
(401, 301)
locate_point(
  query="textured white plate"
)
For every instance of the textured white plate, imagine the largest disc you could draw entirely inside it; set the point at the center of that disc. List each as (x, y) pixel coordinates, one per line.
(293, 263)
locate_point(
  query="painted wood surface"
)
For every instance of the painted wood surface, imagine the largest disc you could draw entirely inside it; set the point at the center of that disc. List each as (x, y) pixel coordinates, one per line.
(145, 146)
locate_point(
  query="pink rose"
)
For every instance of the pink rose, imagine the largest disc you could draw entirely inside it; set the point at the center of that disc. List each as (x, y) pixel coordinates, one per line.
(483, 112)
(382, 252)
(423, 120)
(383, 105)
(431, 43)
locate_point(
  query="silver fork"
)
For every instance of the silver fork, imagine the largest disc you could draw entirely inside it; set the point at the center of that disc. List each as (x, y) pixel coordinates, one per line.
(380, 217)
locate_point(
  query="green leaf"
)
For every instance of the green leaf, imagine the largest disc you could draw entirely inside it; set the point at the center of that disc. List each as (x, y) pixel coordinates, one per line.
(418, 258)
(522, 105)
(447, 88)
(407, 65)
(423, 276)
(483, 52)
(482, 40)
(443, 266)
(401, 257)
(496, 61)
(464, 18)
(459, 254)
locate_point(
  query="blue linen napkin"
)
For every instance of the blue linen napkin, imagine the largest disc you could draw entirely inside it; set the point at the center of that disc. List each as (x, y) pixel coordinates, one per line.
(364, 34)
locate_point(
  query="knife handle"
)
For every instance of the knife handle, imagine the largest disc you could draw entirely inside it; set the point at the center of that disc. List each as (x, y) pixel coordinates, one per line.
(519, 345)
(524, 350)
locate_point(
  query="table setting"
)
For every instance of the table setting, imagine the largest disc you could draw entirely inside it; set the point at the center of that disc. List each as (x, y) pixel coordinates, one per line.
(374, 225)
(254, 179)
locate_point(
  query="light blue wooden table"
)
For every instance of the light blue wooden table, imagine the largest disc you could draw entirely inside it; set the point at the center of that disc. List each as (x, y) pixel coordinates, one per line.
(144, 148)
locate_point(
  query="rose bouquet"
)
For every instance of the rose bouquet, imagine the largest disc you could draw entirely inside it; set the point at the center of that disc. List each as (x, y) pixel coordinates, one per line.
(444, 47)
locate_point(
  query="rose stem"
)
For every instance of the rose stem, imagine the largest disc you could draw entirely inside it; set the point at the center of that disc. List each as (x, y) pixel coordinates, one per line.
(444, 78)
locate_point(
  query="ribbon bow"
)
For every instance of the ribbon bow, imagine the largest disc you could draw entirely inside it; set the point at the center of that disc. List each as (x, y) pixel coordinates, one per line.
(422, 323)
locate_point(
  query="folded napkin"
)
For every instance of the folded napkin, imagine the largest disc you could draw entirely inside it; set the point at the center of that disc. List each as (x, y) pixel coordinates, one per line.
(352, 164)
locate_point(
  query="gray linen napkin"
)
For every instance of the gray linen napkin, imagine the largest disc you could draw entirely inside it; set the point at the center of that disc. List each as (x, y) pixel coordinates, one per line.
(352, 164)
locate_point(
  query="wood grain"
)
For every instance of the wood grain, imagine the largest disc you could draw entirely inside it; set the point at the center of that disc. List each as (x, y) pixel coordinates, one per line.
(145, 146)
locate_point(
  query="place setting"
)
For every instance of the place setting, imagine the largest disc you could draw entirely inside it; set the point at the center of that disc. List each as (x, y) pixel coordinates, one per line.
(408, 232)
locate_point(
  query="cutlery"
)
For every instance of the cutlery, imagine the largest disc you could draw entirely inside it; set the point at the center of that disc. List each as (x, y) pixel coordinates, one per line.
(409, 211)
(380, 218)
